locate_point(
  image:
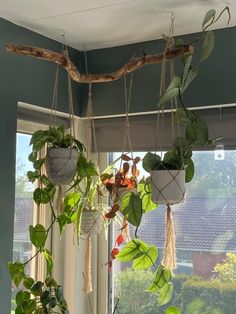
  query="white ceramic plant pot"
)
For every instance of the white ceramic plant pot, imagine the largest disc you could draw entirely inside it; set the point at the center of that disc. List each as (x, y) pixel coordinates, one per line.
(61, 164)
(168, 186)
(91, 222)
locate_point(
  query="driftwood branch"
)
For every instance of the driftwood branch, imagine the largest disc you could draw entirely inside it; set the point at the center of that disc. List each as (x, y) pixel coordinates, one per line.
(64, 62)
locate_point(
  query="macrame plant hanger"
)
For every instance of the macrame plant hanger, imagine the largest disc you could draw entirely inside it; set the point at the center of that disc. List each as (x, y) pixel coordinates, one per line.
(91, 142)
(53, 116)
(127, 142)
(169, 252)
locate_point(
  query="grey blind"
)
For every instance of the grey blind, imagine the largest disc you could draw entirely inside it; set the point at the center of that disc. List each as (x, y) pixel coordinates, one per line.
(110, 132)
(40, 117)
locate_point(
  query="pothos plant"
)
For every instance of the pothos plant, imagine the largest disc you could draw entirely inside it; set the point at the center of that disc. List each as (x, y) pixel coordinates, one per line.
(133, 205)
(196, 129)
(44, 297)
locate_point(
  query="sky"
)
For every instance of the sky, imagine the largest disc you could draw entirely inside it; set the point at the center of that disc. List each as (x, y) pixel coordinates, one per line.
(23, 149)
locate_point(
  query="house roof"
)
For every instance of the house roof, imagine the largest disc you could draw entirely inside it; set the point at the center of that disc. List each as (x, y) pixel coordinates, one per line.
(23, 218)
(200, 224)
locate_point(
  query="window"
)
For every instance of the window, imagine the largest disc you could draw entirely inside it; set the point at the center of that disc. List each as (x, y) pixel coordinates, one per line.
(22, 248)
(205, 241)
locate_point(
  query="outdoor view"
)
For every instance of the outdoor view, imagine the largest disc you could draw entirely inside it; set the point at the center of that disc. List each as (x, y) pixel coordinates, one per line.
(22, 248)
(205, 229)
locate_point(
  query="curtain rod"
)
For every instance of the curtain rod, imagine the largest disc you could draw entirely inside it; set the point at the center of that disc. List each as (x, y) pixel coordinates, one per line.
(145, 113)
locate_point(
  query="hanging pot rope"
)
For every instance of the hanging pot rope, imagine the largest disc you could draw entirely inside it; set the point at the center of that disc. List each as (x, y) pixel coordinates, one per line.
(87, 288)
(127, 138)
(91, 139)
(172, 177)
(169, 252)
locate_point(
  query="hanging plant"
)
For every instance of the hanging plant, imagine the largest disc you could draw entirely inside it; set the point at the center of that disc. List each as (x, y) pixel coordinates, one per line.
(124, 180)
(62, 154)
(178, 167)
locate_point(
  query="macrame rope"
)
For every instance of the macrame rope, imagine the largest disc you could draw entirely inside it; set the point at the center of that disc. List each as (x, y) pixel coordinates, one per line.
(87, 288)
(90, 134)
(169, 252)
(53, 115)
(169, 256)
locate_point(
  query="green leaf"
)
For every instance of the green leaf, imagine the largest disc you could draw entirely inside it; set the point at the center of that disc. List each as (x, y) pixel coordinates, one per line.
(192, 73)
(184, 116)
(67, 217)
(172, 310)
(39, 311)
(32, 175)
(38, 163)
(208, 45)
(131, 250)
(41, 196)
(190, 169)
(162, 277)
(187, 66)
(28, 282)
(147, 260)
(131, 207)
(29, 306)
(209, 17)
(33, 156)
(60, 298)
(151, 162)
(178, 42)
(53, 302)
(49, 261)
(144, 188)
(37, 136)
(38, 235)
(165, 293)
(44, 180)
(197, 131)
(18, 310)
(36, 289)
(86, 168)
(51, 282)
(17, 272)
(171, 92)
(72, 200)
(22, 296)
(45, 298)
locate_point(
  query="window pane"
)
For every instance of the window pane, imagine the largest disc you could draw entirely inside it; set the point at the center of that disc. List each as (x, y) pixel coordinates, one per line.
(22, 248)
(205, 238)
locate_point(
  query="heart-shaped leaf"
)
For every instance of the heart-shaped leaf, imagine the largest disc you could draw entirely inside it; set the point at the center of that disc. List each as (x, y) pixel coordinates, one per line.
(38, 235)
(209, 17)
(208, 45)
(17, 272)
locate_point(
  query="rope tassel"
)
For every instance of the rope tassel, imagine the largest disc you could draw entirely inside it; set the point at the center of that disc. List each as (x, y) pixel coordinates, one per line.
(169, 255)
(87, 268)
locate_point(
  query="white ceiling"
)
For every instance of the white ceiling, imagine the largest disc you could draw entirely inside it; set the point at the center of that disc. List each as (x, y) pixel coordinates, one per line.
(93, 24)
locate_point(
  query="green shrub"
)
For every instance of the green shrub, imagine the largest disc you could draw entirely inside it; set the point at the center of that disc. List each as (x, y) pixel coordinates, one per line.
(208, 297)
(130, 289)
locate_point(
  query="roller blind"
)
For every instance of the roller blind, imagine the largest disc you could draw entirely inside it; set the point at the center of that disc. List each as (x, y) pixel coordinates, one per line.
(110, 132)
(30, 115)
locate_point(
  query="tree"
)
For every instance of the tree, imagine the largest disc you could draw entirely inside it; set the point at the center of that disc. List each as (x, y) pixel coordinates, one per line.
(227, 270)
(22, 187)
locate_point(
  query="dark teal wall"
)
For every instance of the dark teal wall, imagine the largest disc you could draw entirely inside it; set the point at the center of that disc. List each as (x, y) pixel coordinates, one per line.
(28, 80)
(215, 83)
(31, 80)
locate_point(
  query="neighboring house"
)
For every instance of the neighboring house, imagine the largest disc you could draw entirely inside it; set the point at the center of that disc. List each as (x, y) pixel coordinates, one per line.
(205, 231)
(23, 218)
